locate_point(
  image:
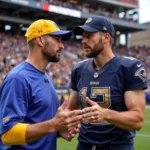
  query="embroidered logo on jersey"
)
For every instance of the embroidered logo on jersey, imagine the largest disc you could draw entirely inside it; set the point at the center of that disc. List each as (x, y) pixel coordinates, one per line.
(94, 83)
(96, 75)
(141, 73)
(6, 119)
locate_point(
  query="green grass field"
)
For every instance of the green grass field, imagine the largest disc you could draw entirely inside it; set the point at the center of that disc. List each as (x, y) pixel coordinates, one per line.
(142, 140)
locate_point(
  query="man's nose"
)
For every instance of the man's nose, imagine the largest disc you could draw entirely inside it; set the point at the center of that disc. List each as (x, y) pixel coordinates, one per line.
(61, 45)
(84, 41)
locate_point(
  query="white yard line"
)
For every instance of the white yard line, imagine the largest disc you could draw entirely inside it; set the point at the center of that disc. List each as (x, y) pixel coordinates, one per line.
(147, 106)
(143, 135)
(147, 121)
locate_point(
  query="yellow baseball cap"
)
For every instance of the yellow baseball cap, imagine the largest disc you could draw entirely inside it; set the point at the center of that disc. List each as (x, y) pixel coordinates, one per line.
(43, 27)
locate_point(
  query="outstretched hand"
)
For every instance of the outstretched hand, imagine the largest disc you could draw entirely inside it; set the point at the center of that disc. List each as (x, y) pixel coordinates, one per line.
(65, 119)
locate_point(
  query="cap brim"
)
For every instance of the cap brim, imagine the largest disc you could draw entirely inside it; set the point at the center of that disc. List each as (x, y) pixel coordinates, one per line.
(65, 35)
(79, 29)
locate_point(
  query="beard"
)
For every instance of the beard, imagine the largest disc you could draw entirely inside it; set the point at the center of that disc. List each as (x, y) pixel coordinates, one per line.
(51, 57)
(54, 59)
(95, 51)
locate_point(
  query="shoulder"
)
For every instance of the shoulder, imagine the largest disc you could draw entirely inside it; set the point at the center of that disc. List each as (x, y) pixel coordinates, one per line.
(130, 66)
(17, 73)
(134, 68)
(82, 64)
(129, 62)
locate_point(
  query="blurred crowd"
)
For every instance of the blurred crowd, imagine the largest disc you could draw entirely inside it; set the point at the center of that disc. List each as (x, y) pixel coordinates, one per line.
(14, 50)
(93, 8)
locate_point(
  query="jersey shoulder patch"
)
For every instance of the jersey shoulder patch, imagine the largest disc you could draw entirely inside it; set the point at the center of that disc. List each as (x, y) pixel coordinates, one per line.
(141, 73)
(136, 66)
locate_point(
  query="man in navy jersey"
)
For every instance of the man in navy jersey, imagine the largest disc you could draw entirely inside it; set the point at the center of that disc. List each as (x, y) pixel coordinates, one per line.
(109, 88)
(29, 119)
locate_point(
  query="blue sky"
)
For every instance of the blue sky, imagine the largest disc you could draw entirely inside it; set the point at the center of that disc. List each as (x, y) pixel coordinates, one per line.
(144, 14)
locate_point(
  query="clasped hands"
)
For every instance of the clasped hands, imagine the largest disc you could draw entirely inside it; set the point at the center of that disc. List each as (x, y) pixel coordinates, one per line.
(72, 119)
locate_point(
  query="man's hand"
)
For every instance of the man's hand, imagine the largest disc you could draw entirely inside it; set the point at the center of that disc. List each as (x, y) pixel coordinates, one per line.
(71, 134)
(66, 120)
(93, 114)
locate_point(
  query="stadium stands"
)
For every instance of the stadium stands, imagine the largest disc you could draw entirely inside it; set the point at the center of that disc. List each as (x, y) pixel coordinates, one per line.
(13, 50)
(88, 7)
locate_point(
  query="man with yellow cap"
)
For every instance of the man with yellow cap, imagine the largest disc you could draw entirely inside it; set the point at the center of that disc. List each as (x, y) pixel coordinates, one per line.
(29, 115)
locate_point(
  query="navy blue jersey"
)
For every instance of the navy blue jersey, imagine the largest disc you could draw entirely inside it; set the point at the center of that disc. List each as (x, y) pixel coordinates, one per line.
(107, 87)
(27, 96)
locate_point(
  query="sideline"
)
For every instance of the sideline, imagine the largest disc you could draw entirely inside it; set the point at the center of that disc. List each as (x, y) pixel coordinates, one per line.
(143, 135)
(147, 106)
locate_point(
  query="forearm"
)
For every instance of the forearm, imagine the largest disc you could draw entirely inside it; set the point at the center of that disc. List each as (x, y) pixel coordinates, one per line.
(21, 133)
(73, 101)
(15, 135)
(72, 106)
(126, 120)
(37, 131)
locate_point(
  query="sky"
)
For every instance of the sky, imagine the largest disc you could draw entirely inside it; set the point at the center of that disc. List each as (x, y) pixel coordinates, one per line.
(144, 11)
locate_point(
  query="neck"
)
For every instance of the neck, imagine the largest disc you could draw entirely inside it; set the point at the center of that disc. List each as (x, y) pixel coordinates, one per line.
(37, 61)
(103, 58)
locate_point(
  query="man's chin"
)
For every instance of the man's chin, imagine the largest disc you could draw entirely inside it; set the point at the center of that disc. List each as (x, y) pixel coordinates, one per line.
(88, 56)
(54, 60)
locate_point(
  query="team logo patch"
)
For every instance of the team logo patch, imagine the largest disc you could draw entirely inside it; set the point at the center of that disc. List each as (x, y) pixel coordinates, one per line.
(141, 73)
(88, 20)
(6, 119)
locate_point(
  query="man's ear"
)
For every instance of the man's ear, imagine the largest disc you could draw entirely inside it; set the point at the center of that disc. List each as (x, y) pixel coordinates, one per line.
(40, 41)
(106, 38)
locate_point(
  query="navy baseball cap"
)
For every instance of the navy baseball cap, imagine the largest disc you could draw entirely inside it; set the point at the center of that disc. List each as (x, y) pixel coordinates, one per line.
(95, 24)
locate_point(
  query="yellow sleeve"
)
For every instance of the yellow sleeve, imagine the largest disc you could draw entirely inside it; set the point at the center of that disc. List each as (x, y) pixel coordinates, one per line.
(16, 135)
